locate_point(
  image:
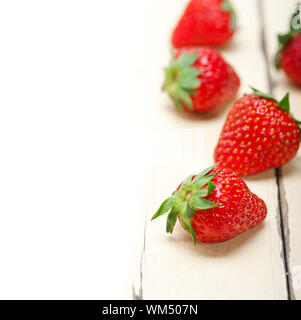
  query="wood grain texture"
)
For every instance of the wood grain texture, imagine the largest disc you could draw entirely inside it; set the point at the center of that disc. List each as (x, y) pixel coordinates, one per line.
(247, 267)
(277, 14)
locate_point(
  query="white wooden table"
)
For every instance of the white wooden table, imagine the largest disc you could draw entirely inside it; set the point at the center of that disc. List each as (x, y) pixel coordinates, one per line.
(264, 263)
(90, 146)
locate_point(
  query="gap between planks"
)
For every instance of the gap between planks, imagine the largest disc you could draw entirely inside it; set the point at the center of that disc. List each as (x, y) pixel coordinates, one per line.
(137, 294)
(282, 201)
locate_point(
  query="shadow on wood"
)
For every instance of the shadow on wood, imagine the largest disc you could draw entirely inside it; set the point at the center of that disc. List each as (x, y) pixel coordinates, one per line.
(216, 249)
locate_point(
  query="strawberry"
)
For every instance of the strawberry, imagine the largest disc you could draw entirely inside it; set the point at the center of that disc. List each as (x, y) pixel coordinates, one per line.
(259, 134)
(213, 206)
(200, 80)
(205, 23)
(288, 57)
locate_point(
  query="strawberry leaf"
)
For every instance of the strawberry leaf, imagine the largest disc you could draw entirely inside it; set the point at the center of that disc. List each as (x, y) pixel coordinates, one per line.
(211, 187)
(187, 224)
(184, 97)
(165, 207)
(188, 78)
(178, 104)
(284, 104)
(182, 79)
(202, 204)
(284, 38)
(186, 60)
(187, 181)
(202, 181)
(202, 193)
(204, 172)
(171, 220)
(263, 95)
(190, 212)
(277, 59)
(205, 192)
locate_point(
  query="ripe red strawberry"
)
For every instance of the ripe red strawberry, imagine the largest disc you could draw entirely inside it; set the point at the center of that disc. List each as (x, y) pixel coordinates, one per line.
(259, 134)
(205, 22)
(200, 80)
(213, 206)
(288, 57)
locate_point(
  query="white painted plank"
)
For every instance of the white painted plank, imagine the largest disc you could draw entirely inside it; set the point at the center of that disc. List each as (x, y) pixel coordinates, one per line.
(247, 267)
(277, 18)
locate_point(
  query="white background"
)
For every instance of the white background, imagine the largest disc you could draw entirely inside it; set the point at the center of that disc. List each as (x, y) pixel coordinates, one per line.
(71, 96)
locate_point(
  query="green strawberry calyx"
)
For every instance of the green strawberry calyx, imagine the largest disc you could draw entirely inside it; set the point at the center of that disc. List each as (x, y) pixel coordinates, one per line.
(284, 39)
(187, 200)
(283, 104)
(227, 6)
(181, 79)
